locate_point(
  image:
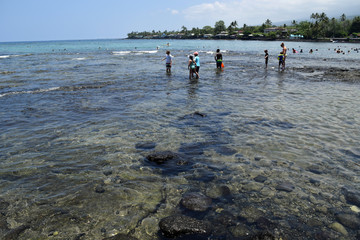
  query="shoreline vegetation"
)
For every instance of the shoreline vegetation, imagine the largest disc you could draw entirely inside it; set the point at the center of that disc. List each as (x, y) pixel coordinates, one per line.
(320, 28)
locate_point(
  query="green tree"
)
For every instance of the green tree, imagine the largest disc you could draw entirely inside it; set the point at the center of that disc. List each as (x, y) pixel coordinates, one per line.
(207, 30)
(268, 23)
(219, 27)
(355, 25)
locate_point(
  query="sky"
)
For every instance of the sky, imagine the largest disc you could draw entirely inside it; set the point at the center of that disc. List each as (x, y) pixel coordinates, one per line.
(41, 20)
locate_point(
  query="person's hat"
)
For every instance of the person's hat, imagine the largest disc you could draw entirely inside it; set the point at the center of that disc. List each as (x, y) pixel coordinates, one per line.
(196, 53)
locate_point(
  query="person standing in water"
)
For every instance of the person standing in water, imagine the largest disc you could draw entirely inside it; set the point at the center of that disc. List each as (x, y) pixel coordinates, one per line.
(168, 61)
(192, 67)
(197, 61)
(266, 58)
(284, 51)
(218, 59)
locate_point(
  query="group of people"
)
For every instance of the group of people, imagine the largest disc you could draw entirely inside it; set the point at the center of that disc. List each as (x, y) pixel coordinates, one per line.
(281, 57)
(194, 63)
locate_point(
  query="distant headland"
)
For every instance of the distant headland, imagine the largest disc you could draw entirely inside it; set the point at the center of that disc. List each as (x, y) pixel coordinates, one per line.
(319, 28)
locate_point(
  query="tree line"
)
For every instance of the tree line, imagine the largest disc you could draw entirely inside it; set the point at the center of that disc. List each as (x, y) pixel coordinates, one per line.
(320, 26)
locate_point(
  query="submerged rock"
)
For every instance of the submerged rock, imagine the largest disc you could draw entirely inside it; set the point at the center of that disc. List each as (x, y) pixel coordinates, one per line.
(120, 237)
(352, 198)
(162, 157)
(196, 201)
(349, 220)
(145, 145)
(260, 178)
(179, 225)
(285, 186)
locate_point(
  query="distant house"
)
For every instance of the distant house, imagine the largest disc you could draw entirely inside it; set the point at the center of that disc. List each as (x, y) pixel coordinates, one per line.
(208, 35)
(275, 29)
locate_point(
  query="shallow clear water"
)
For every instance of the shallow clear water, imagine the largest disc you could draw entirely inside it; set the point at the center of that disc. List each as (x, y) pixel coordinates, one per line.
(75, 115)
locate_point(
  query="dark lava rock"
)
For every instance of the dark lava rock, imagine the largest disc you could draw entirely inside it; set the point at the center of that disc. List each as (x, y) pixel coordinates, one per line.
(349, 220)
(196, 201)
(225, 151)
(178, 225)
(260, 179)
(285, 186)
(107, 173)
(99, 189)
(264, 223)
(145, 145)
(227, 219)
(199, 114)
(14, 233)
(120, 237)
(257, 158)
(315, 181)
(162, 157)
(315, 169)
(352, 198)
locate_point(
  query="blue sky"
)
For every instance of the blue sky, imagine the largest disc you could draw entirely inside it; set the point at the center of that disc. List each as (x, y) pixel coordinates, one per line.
(31, 20)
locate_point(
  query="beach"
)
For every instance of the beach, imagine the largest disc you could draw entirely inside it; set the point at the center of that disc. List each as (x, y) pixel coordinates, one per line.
(99, 142)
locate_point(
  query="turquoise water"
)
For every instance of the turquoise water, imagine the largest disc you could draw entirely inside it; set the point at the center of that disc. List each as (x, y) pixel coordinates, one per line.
(75, 116)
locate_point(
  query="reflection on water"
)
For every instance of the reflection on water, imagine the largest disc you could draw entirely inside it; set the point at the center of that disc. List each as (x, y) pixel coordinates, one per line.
(98, 144)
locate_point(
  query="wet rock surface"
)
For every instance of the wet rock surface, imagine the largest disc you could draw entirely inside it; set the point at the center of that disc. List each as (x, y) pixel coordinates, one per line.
(180, 225)
(285, 187)
(349, 220)
(196, 201)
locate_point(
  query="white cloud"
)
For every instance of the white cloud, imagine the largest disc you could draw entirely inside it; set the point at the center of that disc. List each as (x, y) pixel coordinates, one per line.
(173, 11)
(254, 12)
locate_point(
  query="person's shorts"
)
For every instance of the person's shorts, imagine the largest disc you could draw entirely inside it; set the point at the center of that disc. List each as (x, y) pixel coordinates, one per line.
(168, 65)
(197, 69)
(218, 64)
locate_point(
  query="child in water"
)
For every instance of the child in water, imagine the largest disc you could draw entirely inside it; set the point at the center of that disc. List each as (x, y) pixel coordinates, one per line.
(266, 58)
(218, 59)
(281, 60)
(168, 61)
(192, 67)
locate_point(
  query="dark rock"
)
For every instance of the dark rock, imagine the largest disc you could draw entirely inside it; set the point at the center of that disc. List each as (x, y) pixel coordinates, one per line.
(199, 114)
(352, 198)
(225, 151)
(225, 191)
(315, 181)
(107, 173)
(99, 189)
(179, 225)
(260, 179)
(14, 233)
(196, 201)
(349, 220)
(264, 223)
(315, 169)
(285, 186)
(120, 237)
(227, 219)
(161, 157)
(257, 158)
(170, 163)
(145, 145)
(322, 236)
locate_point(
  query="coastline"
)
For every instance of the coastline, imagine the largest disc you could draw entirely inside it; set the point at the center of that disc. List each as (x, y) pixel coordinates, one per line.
(326, 40)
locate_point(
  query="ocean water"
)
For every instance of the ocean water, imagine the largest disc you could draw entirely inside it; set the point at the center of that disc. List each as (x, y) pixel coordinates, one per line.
(276, 151)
